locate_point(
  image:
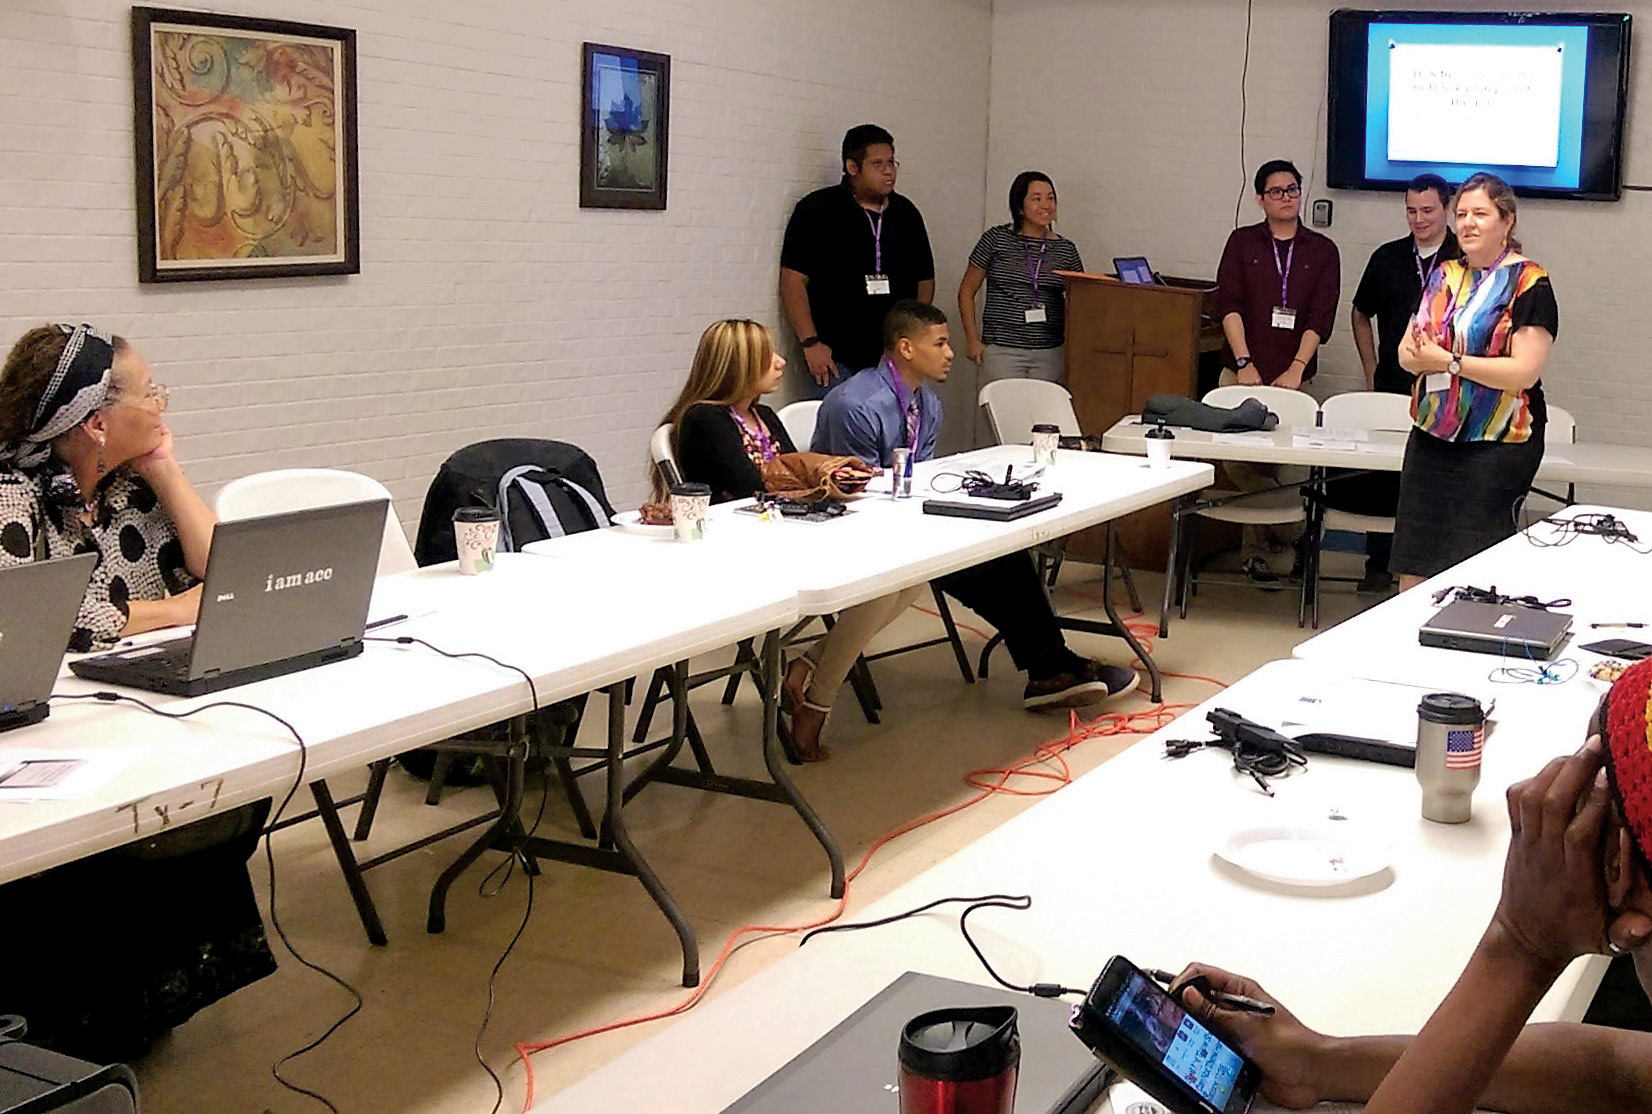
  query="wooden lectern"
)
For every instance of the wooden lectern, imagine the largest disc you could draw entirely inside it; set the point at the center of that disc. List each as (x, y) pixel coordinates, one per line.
(1126, 342)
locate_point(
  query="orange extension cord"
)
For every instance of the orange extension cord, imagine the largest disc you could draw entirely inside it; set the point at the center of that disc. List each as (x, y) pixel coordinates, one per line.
(1044, 781)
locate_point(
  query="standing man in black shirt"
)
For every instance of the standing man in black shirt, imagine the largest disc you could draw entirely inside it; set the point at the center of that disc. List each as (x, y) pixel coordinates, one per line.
(851, 251)
(1389, 292)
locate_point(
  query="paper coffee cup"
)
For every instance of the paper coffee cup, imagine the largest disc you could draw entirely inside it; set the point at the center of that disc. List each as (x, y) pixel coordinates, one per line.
(476, 537)
(690, 504)
(1046, 439)
(1159, 443)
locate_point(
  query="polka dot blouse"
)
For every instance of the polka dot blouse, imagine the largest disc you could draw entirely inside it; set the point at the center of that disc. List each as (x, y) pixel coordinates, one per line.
(139, 554)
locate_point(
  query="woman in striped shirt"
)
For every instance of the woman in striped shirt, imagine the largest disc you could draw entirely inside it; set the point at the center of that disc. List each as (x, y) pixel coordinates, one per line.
(1477, 349)
(1024, 323)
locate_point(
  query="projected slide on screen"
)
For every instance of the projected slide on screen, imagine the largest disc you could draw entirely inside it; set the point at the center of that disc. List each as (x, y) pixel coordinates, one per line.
(1452, 98)
(1492, 105)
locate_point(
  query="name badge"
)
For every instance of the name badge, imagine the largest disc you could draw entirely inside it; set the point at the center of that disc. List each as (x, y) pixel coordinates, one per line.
(877, 284)
(1036, 316)
(1284, 317)
(1439, 381)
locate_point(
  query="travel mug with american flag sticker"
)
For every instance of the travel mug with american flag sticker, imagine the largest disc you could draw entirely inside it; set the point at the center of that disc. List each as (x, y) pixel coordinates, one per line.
(1451, 738)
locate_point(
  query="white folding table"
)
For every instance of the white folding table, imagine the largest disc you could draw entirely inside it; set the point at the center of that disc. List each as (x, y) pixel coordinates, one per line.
(1121, 862)
(573, 627)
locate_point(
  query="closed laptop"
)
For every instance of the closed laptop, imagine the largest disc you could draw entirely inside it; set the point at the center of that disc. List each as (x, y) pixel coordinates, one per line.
(1492, 628)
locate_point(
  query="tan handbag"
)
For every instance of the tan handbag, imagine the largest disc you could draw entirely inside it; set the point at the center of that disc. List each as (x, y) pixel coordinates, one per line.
(811, 477)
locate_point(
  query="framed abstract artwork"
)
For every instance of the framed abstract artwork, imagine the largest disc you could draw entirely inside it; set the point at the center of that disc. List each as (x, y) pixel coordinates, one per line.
(245, 136)
(624, 125)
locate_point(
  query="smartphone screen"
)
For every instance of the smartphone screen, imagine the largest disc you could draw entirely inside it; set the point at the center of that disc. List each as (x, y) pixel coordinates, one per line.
(1161, 1030)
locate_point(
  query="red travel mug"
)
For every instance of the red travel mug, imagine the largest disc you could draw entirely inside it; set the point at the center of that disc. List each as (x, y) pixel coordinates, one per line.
(960, 1061)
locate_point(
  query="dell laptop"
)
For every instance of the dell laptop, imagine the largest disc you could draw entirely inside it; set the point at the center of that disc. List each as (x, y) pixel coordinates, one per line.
(854, 1067)
(283, 592)
(1508, 630)
(1135, 270)
(38, 605)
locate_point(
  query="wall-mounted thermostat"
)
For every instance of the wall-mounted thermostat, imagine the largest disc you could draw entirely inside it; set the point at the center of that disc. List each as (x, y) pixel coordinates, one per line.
(1322, 213)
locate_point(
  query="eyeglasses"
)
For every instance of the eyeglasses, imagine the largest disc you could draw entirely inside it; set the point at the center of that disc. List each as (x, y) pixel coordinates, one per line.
(1280, 193)
(157, 392)
(882, 164)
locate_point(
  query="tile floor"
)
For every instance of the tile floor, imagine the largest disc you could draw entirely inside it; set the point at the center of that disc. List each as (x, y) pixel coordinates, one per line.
(596, 949)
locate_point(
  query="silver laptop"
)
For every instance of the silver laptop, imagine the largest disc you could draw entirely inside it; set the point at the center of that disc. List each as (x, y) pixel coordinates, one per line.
(284, 592)
(854, 1067)
(38, 605)
(1507, 630)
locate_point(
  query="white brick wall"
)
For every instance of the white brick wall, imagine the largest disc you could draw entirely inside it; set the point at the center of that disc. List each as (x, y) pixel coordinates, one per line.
(489, 304)
(1133, 109)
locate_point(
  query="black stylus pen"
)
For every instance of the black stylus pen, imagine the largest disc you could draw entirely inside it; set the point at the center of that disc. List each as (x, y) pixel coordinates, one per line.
(1220, 997)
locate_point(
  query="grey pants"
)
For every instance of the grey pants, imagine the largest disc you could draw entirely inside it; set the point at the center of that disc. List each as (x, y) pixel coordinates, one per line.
(1274, 544)
(1001, 362)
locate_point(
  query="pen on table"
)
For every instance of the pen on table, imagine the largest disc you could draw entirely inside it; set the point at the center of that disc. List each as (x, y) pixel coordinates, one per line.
(1598, 626)
(1221, 997)
(377, 623)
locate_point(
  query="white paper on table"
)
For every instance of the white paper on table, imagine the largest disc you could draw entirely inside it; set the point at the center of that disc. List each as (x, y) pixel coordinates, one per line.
(1383, 447)
(1330, 433)
(1242, 438)
(99, 769)
(1307, 441)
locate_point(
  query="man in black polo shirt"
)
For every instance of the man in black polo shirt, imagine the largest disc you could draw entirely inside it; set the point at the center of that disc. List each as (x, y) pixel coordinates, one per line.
(851, 251)
(1389, 292)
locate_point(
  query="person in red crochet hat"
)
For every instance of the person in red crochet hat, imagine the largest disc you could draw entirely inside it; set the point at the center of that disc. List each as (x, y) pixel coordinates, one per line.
(1576, 882)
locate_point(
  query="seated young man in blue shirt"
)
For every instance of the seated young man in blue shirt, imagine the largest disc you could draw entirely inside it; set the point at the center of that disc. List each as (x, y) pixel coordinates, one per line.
(892, 406)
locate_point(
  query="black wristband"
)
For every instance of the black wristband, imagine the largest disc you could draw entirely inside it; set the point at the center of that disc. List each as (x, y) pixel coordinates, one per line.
(1240, 363)
(809, 341)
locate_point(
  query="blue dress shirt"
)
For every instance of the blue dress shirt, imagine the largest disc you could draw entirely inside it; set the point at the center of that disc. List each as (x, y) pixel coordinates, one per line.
(862, 417)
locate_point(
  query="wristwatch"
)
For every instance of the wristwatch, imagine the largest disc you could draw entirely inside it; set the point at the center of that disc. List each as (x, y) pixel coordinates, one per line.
(1455, 365)
(1241, 363)
(809, 341)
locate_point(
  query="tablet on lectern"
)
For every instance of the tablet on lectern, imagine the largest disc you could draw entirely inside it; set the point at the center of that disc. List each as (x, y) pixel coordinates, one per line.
(1135, 270)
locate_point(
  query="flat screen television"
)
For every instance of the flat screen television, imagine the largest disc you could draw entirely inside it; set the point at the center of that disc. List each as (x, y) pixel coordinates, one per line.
(1537, 99)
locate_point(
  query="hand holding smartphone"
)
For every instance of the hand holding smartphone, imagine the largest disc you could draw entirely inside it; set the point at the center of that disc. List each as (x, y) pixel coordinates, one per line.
(1134, 1024)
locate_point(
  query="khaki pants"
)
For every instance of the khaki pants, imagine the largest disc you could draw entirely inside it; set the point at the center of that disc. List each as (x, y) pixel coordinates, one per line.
(835, 654)
(1275, 544)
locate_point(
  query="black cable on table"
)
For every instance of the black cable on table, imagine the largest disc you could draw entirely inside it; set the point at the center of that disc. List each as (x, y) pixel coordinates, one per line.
(1019, 902)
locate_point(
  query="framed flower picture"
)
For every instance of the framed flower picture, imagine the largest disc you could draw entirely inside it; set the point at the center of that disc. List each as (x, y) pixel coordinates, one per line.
(245, 133)
(624, 128)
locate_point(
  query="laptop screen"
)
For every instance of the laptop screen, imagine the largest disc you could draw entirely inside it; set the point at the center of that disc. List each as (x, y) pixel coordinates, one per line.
(1135, 270)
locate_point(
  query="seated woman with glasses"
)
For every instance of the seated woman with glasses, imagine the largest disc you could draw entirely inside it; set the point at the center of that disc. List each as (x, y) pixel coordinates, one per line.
(86, 466)
(721, 435)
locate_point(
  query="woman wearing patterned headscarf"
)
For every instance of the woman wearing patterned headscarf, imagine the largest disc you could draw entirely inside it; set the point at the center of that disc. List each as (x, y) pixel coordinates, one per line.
(86, 466)
(111, 951)
(1575, 883)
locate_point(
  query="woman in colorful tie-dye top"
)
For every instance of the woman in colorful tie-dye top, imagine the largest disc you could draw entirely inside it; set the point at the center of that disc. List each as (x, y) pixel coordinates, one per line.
(1477, 348)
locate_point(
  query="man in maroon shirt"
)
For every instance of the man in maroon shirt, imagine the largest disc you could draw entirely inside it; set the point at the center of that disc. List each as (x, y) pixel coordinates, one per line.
(1276, 296)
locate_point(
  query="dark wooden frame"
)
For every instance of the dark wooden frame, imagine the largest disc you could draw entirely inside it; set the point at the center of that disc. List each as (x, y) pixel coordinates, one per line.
(592, 196)
(143, 136)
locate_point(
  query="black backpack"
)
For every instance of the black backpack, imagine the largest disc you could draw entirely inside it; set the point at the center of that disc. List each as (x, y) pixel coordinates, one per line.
(543, 489)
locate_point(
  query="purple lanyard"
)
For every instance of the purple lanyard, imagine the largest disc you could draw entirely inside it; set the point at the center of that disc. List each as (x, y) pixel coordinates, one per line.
(1284, 270)
(760, 436)
(1035, 265)
(908, 402)
(1460, 303)
(877, 237)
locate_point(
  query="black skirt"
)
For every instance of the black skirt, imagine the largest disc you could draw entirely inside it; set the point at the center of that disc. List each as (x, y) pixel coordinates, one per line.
(107, 953)
(1458, 498)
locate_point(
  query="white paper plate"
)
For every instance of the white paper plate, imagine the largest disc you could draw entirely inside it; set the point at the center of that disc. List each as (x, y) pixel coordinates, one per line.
(631, 522)
(1303, 855)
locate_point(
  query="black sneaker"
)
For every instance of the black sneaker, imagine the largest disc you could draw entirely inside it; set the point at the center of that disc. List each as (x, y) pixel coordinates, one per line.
(1258, 570)
(1090, 683)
